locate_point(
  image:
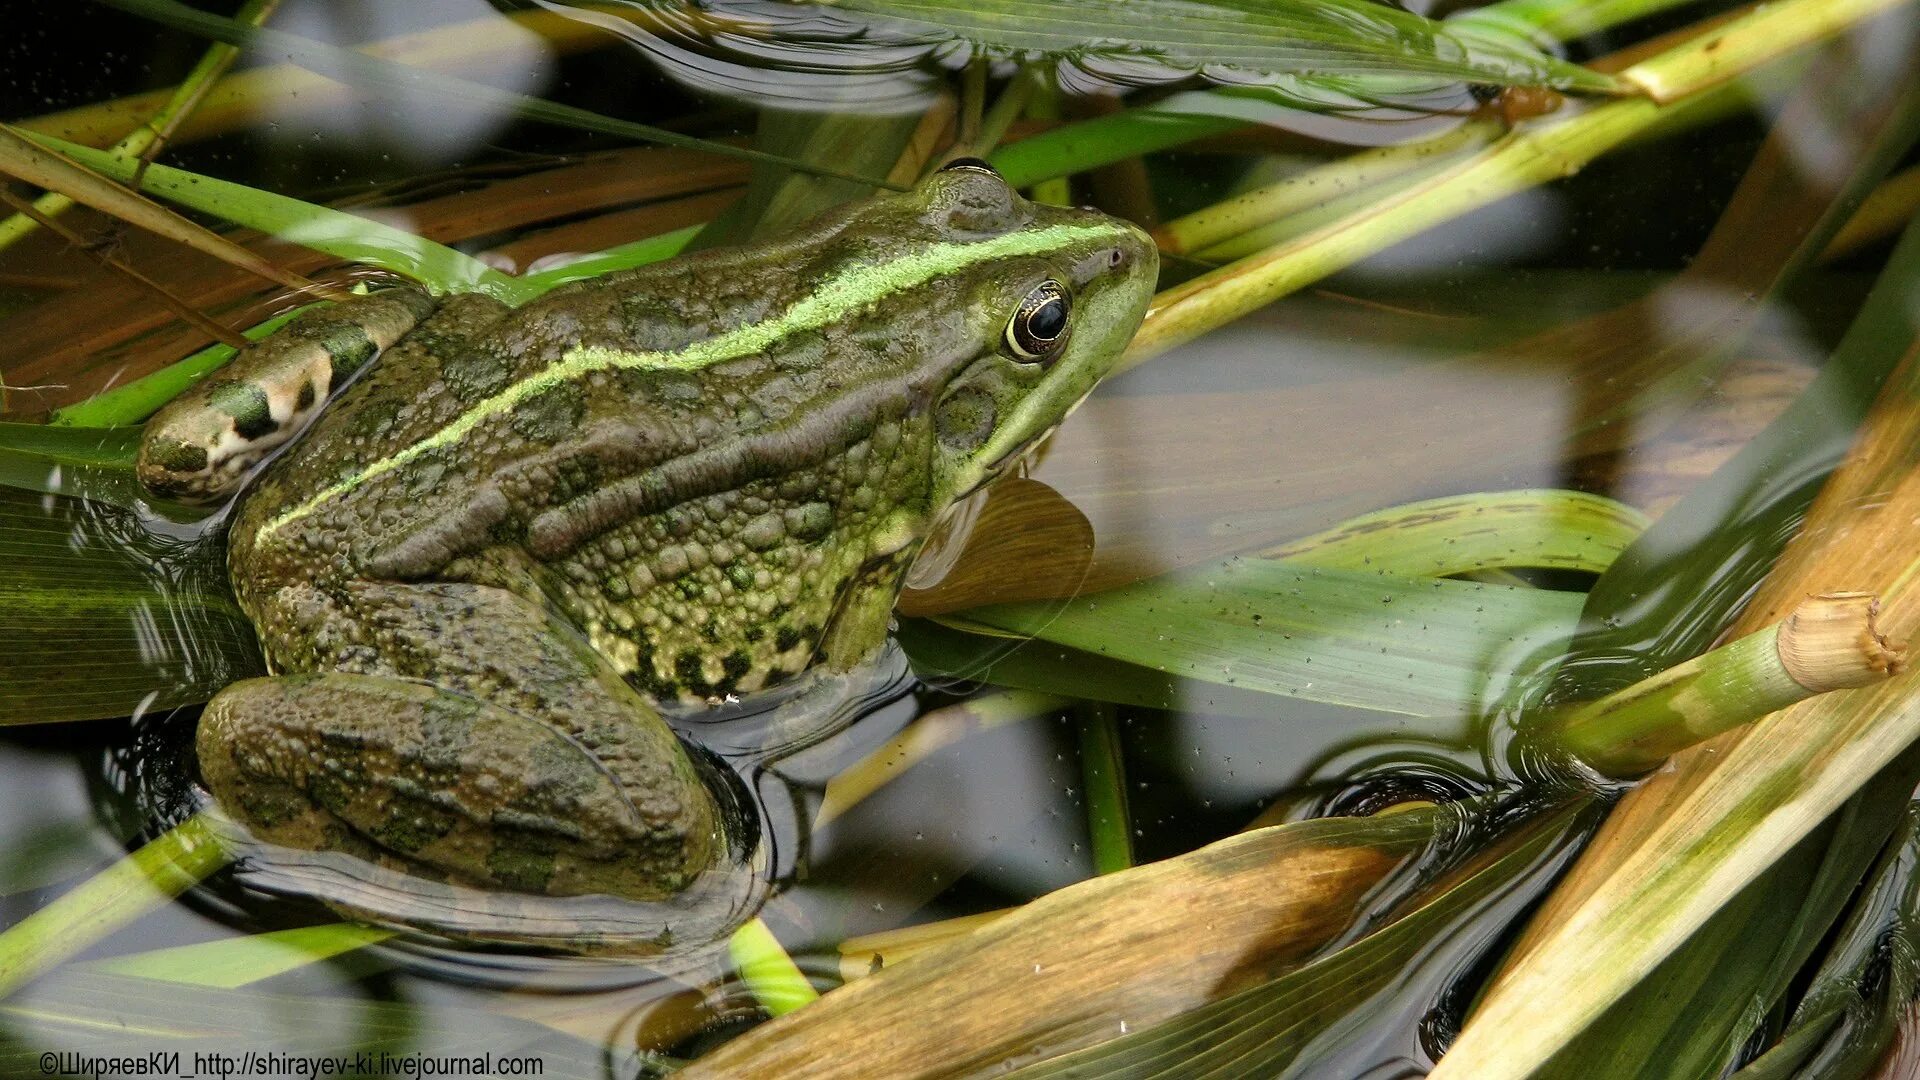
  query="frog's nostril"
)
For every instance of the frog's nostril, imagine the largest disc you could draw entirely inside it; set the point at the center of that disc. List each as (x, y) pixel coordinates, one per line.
(1116, 257)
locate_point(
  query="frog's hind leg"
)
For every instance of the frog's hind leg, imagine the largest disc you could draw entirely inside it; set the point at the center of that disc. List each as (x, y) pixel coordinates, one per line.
(461, 728)
(201, 444)
(379, 767)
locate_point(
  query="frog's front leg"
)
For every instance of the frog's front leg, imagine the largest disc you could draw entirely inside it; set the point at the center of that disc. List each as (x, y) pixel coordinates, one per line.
(477, 738)
(200, 445)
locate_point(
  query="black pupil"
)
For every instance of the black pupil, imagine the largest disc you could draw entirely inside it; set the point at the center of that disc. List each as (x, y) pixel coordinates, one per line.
(1047, 321)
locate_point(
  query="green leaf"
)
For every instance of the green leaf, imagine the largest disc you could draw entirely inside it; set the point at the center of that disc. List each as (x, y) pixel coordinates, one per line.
(100, 617)
(1397, 644)
(142, 881)
(653, 249)
(97, 461)
(1338, 46)
(1459, 534)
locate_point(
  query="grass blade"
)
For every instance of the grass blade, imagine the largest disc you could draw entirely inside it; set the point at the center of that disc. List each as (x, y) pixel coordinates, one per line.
(348, 236)
(233, 962)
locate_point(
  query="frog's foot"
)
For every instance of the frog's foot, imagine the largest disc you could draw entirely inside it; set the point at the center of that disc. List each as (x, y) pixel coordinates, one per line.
(476, 794)
(200, 446)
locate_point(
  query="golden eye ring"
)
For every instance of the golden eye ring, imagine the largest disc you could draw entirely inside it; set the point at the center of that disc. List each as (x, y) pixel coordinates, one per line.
(1039, 326)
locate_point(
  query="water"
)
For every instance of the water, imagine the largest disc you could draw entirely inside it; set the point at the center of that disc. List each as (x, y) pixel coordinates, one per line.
(1473, 357)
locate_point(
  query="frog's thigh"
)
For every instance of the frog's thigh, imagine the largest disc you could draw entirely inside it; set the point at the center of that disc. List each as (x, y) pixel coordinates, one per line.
(501, 648)
(477, 791)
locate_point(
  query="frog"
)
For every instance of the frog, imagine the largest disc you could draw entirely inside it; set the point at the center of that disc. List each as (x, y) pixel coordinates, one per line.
(486, 548)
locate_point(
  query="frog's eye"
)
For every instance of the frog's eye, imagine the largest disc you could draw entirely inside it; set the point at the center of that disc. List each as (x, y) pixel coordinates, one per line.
(1039, 327)
(969, 164)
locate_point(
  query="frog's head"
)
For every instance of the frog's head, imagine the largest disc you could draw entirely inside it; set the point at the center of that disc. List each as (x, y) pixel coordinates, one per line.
(1041, 301)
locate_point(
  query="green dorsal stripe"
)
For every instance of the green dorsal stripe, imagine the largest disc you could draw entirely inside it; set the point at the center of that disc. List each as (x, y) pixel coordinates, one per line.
(834, 300)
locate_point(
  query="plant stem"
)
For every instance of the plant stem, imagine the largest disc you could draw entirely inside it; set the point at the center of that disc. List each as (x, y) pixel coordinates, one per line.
(135, 885)
(1830, 642)
(1533, 154)
(1206, 227)
(322, 228)
(1011, 103)
(1109, 825)
(1747, 42)
(32, 213)
(776, 981)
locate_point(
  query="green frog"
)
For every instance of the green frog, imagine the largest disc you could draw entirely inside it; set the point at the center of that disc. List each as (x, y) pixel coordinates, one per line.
(482, 566)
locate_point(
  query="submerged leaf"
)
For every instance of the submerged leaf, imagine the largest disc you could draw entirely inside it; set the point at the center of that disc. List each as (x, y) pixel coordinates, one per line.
(1868, 984)
(56, 460)
(1397, 644)
(99, 617)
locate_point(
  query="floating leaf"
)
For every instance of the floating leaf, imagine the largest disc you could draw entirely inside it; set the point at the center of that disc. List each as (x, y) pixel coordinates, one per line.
(1397, 644)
